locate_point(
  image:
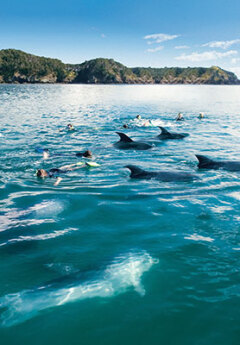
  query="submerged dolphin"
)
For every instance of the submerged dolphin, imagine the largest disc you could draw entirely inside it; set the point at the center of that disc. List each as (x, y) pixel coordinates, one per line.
(124, 273)
(207, 163)
(165, 176)
(164, 135)
(126, 143)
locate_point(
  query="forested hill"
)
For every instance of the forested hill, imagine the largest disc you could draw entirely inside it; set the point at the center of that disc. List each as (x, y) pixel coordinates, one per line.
(19, 67)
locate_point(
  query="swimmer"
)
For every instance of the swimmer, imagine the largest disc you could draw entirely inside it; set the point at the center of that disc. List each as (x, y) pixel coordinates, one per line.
(148, 123)
(70, 127)
(140, 122)
(201, 116)
(86, 154)
(44, 173)
(125, 126)
(46, 153)
(54, 172)
(180, 117)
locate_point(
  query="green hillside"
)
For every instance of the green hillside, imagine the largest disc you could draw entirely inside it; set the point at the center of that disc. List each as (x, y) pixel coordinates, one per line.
(19, 67)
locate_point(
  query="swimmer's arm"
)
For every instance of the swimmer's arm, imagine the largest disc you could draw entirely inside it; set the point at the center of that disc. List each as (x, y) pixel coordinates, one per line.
(58, 180)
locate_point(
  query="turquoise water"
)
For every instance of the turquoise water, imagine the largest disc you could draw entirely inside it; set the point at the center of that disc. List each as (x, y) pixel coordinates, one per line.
(100, 258)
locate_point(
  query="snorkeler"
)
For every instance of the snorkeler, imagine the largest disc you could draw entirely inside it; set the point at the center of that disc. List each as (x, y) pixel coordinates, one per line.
(140, 122)
(148, 123)
(55, 172)
(125, 126)
(85, 154)
(70, 127)
(201, 116)
(180, 117)
(46, 153)
(51, 173)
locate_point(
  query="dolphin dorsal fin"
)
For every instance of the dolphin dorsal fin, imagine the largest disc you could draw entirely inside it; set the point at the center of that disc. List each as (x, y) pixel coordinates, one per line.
(124, 137)
(164, 131)
(203, 160)
(135, 170)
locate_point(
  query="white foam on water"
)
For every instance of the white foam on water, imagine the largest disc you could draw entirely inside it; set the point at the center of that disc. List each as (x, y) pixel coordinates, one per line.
(221, 209)
(161, 123)
(150, 123)
(196, 237)
(235, 195)
(48, 208)
(125, 272)
(40, 237)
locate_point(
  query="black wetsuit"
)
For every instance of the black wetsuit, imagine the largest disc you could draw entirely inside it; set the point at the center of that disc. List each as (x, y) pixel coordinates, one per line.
(55, 171)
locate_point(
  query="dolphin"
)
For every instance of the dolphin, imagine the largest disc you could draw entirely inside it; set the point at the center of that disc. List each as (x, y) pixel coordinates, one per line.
(164, 135)
(126, 143)
(122, 274)
(165, 176)
(207, 163)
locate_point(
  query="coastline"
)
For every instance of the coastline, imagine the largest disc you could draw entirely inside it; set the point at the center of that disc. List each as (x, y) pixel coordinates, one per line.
(18, 67)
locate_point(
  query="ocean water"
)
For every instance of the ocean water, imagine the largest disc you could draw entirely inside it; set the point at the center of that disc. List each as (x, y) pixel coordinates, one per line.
(105, 259)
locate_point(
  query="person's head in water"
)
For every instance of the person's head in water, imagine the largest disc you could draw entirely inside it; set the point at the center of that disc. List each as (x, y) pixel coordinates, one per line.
(70, 127)
(201, 116)
(138, 117)
(41, 173)
(87, 154)
(179, 117)
(125, 126)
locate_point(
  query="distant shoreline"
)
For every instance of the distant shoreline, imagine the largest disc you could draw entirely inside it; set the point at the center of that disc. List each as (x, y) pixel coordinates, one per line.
(118, 84)
(18, 67)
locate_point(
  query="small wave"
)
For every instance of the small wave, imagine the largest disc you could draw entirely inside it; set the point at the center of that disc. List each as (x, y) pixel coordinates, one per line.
(123, 273)
(221, 209)
(40, 237)
(196, 237)
(42, 211)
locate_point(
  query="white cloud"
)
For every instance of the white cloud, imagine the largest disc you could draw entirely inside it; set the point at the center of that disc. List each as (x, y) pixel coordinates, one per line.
(205, 56)
(154, 50)
(182, 47)
(235, 60)
(221, 44)
(159, 38)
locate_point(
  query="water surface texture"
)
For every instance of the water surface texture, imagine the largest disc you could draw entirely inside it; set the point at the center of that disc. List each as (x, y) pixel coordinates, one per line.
(101, 258)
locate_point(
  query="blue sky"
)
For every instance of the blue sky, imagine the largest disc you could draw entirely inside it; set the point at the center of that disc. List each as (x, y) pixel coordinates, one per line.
(153, 33)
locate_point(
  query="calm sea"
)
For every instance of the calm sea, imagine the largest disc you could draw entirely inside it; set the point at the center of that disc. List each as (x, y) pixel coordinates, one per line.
(103, 259)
